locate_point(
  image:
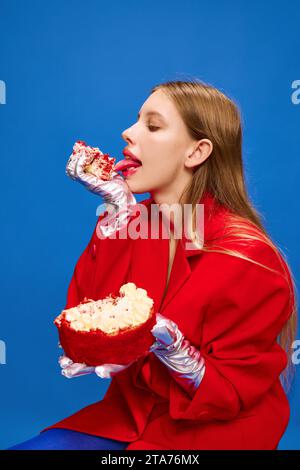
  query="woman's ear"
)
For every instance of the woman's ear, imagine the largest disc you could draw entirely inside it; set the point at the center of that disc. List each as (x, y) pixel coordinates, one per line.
(202, 151)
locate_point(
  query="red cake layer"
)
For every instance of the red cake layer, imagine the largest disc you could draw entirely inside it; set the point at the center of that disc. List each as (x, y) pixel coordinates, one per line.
(98, 332)
(96, 347)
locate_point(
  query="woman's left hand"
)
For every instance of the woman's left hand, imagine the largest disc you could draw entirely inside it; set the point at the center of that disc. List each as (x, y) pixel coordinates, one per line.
(165, 331)
(184, 362)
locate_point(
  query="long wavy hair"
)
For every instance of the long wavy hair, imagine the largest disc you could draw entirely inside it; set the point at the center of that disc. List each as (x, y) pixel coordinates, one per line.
(209, 113)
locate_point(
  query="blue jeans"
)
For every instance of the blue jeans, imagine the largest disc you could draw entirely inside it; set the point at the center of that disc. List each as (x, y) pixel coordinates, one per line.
(65, 439)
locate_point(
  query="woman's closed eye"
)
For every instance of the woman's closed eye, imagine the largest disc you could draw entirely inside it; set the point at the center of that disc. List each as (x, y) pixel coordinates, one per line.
(152, 128)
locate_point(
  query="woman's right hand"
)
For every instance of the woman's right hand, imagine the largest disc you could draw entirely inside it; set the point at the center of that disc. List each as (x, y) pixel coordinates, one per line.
(75, 170)
(70, 369)
(115, 192)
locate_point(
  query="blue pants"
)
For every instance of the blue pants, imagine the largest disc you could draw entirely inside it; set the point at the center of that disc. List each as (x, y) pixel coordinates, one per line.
(65, 439)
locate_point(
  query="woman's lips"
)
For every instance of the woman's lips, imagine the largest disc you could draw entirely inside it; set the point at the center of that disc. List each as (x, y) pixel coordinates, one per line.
(125, 164)
(130, 172)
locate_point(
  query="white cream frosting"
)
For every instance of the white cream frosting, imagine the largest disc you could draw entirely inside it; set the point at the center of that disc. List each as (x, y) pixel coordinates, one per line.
(132, 308)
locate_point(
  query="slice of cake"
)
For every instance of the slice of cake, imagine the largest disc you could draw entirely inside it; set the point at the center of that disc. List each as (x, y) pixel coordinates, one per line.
(114, 330)
(100, 164)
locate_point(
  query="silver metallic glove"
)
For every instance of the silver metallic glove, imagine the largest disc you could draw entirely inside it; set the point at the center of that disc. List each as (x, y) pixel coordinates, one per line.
(115, 192)
(185, 363)
(72, 369)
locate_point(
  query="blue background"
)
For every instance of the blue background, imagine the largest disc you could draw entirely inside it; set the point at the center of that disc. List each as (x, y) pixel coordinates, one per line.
(81, 70)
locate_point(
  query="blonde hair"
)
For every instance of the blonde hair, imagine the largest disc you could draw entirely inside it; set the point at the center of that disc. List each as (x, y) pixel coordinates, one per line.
(209, 113)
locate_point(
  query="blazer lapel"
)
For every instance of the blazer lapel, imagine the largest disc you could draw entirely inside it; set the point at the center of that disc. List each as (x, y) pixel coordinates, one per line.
(180, 273)
(149, 259)
(185, 250)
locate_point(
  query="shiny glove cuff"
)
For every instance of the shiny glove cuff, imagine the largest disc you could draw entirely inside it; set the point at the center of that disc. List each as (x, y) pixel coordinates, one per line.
(121, 203)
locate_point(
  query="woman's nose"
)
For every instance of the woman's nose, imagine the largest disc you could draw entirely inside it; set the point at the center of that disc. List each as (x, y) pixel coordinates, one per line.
(125, 136)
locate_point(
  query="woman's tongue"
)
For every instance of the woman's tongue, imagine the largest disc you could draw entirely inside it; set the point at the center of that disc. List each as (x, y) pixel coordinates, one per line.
(125, 164)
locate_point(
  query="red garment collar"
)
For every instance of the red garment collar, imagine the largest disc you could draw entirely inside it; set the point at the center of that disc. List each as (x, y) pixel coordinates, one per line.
(212, 221)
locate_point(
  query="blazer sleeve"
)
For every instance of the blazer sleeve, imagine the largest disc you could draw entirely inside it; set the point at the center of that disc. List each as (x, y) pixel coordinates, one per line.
(239, 346)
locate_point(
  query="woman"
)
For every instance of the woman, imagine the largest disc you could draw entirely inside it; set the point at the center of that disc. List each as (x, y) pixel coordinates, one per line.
(213, 379)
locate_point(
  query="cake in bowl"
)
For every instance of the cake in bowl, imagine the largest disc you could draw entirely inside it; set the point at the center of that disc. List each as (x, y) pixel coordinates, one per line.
(113, 330)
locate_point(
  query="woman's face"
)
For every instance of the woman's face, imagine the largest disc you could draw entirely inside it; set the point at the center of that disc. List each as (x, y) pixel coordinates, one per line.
(159, 139)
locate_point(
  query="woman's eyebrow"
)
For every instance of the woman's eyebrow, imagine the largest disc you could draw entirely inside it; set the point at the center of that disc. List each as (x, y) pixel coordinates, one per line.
(152, 113)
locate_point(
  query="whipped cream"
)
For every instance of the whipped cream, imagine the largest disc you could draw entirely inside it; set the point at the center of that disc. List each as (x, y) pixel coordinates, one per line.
(131, 308)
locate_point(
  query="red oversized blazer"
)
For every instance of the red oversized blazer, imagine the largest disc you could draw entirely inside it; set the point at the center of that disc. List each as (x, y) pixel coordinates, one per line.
(232, 310)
